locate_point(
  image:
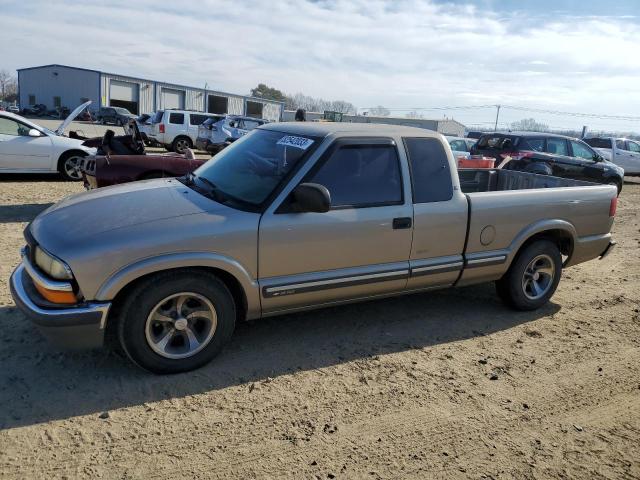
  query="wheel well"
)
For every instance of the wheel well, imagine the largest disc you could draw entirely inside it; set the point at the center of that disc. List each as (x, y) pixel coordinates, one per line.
(561, 238)
(239, 297)
(186, 137)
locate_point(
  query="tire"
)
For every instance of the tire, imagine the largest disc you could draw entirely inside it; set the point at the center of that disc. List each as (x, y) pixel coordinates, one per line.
(533, 276)
(144, 322)
(180, 144)
(69, 164)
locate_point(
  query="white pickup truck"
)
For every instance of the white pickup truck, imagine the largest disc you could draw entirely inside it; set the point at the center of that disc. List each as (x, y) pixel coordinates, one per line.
(621, 151)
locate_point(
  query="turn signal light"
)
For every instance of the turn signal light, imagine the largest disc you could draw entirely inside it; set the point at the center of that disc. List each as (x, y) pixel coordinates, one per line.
(613, 206)
(56, 296)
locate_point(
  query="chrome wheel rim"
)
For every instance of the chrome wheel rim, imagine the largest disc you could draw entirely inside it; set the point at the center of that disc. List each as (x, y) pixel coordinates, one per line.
(181, 325)
(181, 146)
(538, 277)
(72, 167)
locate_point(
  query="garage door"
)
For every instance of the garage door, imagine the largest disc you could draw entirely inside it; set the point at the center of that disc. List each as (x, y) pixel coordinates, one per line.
(172, 99)
(124, 94)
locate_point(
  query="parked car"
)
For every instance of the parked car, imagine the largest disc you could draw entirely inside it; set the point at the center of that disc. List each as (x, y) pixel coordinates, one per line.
(39, 110)
(295, 216)
(217, 132)
(549, 154)
(13, 109)
(123, 159)
(26, 147)
(623, 152)
(114, 115)
(461, 146)
(177, 130)
(145, 122)
(474, 134)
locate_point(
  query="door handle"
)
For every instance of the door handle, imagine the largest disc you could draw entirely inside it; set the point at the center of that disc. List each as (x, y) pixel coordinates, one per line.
(401, 223)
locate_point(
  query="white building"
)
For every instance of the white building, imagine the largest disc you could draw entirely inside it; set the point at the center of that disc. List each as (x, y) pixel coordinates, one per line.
(63, 86)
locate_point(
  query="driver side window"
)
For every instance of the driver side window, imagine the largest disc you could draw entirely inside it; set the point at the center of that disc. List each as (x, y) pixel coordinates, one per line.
(361, 176)
(13, 128)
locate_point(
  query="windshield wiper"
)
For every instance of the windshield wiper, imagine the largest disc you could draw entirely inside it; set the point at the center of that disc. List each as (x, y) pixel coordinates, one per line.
(214, 191)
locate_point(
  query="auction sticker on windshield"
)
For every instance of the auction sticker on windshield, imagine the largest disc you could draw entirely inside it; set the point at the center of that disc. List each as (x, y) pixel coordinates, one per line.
(293, 141)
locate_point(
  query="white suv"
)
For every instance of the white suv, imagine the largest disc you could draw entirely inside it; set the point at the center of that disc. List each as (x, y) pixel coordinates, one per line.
(177, 130)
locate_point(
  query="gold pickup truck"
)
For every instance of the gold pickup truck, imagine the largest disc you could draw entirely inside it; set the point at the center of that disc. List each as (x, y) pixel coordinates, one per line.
(296, 216)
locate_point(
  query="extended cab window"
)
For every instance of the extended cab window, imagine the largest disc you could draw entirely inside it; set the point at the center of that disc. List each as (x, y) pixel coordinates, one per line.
(176, 118)
(497, 142)
(582, 151)
(430, 171)
(361, 176)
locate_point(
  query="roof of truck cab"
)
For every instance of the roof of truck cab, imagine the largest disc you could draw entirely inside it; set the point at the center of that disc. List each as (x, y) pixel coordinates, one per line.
(322, 129)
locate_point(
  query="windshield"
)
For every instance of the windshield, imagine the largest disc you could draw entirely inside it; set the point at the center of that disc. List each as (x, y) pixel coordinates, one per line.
(251, 168)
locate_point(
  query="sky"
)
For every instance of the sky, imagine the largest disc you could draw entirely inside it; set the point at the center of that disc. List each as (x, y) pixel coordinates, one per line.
(568, 56)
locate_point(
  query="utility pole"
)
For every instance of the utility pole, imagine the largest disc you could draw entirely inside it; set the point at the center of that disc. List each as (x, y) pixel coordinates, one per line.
(495, 128)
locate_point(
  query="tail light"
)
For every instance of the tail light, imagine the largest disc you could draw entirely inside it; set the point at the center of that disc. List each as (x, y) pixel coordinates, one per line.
(161, 128)
(613, 207)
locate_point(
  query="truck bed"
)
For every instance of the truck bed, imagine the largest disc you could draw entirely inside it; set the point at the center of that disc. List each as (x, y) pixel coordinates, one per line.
(494, 180)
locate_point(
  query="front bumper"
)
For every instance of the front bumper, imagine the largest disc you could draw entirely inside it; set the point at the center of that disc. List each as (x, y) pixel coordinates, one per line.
(77, 327)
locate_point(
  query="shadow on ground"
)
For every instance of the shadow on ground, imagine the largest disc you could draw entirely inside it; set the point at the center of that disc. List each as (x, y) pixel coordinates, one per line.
(21, 213)
(39, 383)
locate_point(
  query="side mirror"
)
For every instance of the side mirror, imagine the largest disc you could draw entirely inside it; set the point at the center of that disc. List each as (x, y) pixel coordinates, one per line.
(34, 133)
(311, 197)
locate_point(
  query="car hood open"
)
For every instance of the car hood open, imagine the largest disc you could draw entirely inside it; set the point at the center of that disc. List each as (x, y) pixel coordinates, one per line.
(63, 126)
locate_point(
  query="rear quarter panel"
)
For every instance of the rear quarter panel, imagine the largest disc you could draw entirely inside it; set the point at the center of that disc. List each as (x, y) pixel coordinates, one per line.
(509, 218)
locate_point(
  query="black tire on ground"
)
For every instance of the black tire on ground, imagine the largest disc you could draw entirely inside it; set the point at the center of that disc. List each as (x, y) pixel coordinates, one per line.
(145, 298)
(180, 144)
(66, 159)
(533, 276)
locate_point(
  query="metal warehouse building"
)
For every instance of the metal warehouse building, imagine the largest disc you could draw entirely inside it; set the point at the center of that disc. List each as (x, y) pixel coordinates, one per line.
(63, 86)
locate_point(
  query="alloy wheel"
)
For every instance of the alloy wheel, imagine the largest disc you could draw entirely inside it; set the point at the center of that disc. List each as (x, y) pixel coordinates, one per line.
(181, 325)
(538, 277)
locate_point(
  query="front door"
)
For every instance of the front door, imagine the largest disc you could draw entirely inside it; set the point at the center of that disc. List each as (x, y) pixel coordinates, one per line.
(19, 151)
(359, 248)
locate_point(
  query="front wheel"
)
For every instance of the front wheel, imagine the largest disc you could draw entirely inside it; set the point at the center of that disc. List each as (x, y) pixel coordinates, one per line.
(176, 321)
(533, 277)
(70, 164)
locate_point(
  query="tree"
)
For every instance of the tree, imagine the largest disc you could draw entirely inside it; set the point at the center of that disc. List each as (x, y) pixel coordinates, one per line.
(379, 111)
(414, 114)
(529, 125)
(8, 86)
(268, 93)
(311, 104)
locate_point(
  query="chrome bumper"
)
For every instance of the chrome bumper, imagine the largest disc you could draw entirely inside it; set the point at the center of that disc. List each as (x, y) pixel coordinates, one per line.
(78, 326)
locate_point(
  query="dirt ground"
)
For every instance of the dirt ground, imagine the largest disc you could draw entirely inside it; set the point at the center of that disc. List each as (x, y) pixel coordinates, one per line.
(448, 384)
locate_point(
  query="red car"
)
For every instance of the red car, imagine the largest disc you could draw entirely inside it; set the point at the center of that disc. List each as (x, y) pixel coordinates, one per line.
(123, 159)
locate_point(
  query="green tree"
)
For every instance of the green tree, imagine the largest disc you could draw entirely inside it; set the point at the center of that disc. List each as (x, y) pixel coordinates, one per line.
(268, 93)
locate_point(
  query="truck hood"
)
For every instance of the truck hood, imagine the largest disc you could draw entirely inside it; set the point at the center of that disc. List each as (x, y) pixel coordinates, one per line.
(80, 217)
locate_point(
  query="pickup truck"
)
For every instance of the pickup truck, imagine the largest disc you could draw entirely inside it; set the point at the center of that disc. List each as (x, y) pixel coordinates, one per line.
(291, 217)
(623, 152)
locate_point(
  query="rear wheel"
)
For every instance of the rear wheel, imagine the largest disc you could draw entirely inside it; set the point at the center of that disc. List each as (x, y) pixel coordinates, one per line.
(180, 144)
(533, 277)
(176, 321)
(69, 165)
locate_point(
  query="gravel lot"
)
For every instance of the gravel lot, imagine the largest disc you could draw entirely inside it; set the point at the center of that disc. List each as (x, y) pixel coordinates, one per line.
(448, 384)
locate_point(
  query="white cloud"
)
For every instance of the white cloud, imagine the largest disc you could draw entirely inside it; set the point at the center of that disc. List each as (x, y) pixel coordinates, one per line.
(405, 53)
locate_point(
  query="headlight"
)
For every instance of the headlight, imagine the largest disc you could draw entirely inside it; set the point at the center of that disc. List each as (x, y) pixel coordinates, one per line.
(52, 266)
